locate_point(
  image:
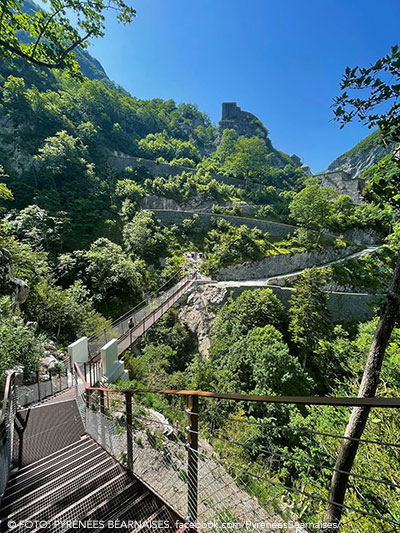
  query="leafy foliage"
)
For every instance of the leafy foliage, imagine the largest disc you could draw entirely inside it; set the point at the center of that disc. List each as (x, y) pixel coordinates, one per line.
(379, 83)
(310, 320)
(47, 38)
(144, 237)
(18, 345)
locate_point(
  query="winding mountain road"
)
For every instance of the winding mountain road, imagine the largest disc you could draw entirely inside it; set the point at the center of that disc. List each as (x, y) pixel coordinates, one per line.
(262, 282)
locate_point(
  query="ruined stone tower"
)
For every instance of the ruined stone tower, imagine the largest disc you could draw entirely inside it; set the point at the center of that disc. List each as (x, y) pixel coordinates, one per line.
(243, 122)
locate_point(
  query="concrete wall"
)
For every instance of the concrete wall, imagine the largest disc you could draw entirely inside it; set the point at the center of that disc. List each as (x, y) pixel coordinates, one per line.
(78, 351)
(121, 161)
(275, 229)
(344, 307)
(364, 236)
(280, 264)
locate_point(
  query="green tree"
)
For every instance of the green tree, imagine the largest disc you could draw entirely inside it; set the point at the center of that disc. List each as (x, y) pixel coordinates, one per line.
(18, 345)
(63, 157)
(169, 331)
(129, 195)
(64, 314)
(371, 95)
(5, 194)
(249, 159)
(151, 368)
(38, 228)
(114, 281)
(52, 37)
(144, 237)
(260, 363)
(310, 319)
(312, 208)
(253, 308)
(227, 244)
(226, 147)
(14, 96)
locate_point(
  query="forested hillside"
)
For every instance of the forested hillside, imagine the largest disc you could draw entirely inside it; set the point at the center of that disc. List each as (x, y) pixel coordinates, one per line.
(80, 237)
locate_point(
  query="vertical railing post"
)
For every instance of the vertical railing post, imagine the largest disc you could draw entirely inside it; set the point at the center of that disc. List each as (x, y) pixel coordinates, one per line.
(38, 383)
(102, 408)
(59, 378)
(129, 456)
(193, 460)
(85, 371)
(51, 382)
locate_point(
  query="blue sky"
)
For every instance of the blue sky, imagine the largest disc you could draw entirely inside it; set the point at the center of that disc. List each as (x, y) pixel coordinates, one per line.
(279, 59)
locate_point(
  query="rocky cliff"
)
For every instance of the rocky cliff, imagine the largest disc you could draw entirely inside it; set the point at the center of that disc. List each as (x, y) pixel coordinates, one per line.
(363, 155)
(199, 313)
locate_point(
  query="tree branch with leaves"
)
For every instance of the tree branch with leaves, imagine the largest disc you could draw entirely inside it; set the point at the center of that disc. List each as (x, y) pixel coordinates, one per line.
(370, 95)
(48, 38)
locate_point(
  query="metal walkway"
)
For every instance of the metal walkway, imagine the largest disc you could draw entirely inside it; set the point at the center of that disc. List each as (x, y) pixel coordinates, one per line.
(143, 316)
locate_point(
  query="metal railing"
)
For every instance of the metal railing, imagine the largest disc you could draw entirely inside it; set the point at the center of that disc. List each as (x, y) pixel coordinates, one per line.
(143, 315)
(19, 396)
(7, 429)
(43, 386)
(215, 470)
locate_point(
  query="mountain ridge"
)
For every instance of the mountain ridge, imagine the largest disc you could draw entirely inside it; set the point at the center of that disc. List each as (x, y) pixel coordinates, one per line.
(363, 155)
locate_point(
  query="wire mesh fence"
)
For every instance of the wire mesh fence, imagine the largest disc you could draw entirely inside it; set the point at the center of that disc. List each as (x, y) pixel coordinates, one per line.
(7, 430)
(136, 321)
(42, 386)
(254, 466)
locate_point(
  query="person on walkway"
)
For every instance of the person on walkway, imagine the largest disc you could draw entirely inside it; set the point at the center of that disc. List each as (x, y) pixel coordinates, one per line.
(130, 323)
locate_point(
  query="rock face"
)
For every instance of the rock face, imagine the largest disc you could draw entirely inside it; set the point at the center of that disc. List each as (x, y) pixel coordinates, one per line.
(199, 314)
(365, 154)
(19, 161)
(11, 286)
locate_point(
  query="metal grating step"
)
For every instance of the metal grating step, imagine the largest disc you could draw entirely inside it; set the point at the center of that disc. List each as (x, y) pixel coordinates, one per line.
(161, 515)
(16, 500)
(103, 492)
(44, 496)
(48, 428)
(73, 494)
(106, 509)
(16, 473)
(42, 464)
(25, 486)
(131, 506)
(136, 512)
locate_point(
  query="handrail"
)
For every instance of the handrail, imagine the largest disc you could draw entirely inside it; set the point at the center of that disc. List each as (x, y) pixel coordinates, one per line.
(138, 306)
(303, 400)
(7, 391)
(146, 300)
(195, 479)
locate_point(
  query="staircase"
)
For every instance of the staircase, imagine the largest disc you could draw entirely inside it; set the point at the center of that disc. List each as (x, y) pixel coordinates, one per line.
(78, 483)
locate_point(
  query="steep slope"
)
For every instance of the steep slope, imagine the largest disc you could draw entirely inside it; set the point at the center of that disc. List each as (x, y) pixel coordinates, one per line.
(363, 155)
(90, 67)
